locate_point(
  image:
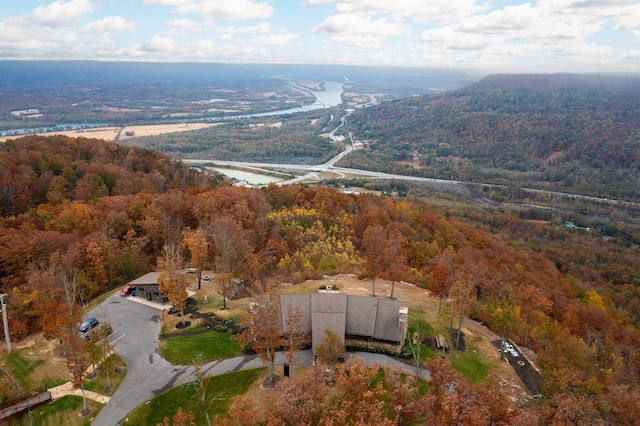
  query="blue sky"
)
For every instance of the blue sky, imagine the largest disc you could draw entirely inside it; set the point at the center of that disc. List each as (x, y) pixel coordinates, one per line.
(491, 35)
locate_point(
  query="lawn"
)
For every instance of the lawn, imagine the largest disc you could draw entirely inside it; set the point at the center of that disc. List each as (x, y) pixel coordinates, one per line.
(205, 347)
(220, 391)
(32, 371)
(470, 363)
(100, 382)
(63, 411)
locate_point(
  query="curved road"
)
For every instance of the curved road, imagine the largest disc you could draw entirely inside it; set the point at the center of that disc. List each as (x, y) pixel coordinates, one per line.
(136, 324)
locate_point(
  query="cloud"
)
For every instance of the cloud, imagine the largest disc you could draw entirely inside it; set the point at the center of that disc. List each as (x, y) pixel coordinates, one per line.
(274, 40)
(160, 44)
(109, 24)
(425, 11)
(59, 13)
(358, 24)
(217, 9)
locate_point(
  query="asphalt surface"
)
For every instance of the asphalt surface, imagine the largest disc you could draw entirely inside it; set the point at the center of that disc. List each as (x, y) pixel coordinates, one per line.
(136, 329)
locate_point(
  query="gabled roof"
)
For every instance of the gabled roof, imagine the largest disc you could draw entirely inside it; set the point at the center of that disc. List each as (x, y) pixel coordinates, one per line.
(363, 316)
(150, 278)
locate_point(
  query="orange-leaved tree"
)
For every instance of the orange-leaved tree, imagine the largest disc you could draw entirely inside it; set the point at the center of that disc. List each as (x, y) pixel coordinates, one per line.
(196, 242)
(171, 282)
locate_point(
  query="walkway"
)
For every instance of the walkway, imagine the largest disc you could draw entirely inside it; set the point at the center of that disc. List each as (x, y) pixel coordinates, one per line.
(67, 389)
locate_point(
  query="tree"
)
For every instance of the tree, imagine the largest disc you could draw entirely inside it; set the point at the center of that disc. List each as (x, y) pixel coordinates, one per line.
(407, 402)
(505, 316)
(181, 418)
(196, 243)
(441, 277)
(396, 254)
(201, 385)
(375, 259)
(466, 280)
(330, 351)
(233, 252)
(298, 401)
(295, 333)
(414, 340)
(362, 399)
(262, 330)
(171, 282)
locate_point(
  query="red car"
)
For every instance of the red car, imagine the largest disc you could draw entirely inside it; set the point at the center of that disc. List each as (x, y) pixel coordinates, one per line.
(128, 290)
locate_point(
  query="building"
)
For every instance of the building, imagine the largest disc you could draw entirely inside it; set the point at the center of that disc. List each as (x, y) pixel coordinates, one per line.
(374, 321)
(147, 287)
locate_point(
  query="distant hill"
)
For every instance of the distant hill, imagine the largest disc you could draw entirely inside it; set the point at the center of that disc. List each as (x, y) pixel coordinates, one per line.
(562, 132)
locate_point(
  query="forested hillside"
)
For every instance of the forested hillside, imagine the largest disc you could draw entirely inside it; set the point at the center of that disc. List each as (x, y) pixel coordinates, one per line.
(285, 139)
(563, 132)
(572, 298)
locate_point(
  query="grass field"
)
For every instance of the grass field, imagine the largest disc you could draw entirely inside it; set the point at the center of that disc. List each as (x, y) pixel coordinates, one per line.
(100, 382)
(220, 389)
(204, 347)
(64, 411)
(33, 370)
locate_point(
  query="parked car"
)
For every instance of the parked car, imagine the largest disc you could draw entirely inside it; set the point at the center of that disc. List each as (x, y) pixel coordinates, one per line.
(128, 290)
(89, 324)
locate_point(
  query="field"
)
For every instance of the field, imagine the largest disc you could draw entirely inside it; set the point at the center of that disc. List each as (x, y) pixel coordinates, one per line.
(122, 133)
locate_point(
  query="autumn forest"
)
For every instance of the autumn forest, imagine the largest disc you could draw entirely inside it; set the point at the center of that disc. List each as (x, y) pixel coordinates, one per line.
(106, 211)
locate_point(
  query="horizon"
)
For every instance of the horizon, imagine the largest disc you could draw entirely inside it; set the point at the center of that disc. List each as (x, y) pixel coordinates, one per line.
(498, 36)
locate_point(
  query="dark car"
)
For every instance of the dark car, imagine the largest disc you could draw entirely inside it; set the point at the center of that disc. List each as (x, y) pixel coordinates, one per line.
(128, 290)
(89, 324)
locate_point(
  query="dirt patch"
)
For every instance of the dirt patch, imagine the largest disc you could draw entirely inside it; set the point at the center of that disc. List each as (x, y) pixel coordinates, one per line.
(52, 371)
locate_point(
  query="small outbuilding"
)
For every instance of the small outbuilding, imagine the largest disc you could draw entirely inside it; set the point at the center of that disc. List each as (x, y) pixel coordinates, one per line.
(147, 287)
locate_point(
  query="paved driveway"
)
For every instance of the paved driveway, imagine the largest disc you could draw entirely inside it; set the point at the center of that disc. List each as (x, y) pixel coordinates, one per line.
(136, 329)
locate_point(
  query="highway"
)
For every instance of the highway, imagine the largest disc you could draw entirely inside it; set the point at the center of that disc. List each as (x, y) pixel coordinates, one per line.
(312, 172)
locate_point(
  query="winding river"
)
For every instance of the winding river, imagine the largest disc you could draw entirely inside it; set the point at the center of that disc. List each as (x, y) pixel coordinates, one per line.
(330, 97)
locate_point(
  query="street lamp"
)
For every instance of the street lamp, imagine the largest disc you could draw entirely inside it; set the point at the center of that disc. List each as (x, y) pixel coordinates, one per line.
(5, 321)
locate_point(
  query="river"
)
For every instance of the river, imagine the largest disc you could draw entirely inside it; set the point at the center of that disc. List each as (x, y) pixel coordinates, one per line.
(249, 177)
(330, 97)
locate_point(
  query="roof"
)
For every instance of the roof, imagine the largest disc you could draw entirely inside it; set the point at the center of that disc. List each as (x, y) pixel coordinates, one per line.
(150, 278)
(363, 316)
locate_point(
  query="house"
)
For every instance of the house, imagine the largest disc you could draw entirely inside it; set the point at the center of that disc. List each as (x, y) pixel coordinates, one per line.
(147, 287)
(376, 322)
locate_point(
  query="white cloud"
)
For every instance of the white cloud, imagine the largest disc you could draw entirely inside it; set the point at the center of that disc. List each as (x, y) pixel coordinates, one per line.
(274, 40)
(440, 11)
(218, 9)
(358, 24)
(109, 24)
(160, 44)
(59, 13)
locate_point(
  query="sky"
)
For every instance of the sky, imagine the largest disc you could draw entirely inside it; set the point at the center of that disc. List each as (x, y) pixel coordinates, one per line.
(491, 35)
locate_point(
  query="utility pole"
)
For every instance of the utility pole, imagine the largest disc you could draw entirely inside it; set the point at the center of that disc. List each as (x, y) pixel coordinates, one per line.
(5, 321)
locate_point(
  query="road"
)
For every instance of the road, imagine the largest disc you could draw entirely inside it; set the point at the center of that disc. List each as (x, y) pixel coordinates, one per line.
(135, 338)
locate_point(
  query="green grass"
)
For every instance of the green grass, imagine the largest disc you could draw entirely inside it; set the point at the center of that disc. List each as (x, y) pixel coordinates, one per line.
(52, 383)
(470, 364)
(100, 382)
(21, 367)
(63, 411)
(206, 347)
(221, 390)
